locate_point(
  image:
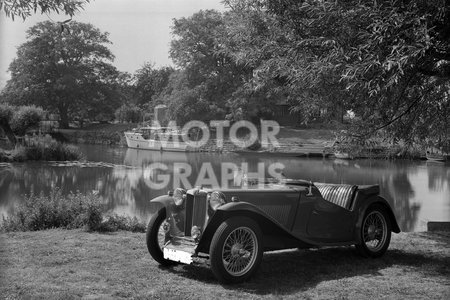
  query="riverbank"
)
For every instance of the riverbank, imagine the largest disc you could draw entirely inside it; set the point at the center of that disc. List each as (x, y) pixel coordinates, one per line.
(292, 141)
(42, 148)
(98, 134)
(112, 134)
(73, 264)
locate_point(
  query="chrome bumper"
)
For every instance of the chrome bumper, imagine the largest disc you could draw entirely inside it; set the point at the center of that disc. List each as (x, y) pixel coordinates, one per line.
(183, 250)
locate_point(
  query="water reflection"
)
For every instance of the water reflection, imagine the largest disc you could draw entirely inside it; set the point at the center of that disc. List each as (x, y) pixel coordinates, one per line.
(438, 176)
(418, 191)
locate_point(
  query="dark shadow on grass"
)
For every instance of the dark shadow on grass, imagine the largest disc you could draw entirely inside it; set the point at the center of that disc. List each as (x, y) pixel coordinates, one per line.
(293, 271)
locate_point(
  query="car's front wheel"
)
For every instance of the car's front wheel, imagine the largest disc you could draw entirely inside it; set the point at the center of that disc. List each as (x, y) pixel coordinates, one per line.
(156, 237)
(375, 232)
(236, 250)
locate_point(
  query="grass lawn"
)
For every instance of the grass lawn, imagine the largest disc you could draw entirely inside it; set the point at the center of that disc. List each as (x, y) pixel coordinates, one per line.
(72, 264)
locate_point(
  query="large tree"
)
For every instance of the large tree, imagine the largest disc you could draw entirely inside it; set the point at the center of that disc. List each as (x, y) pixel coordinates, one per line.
(208, 76)
(388, 61)
(65, 70)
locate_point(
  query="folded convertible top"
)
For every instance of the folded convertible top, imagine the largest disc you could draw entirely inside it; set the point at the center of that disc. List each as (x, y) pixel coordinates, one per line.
(339, 194)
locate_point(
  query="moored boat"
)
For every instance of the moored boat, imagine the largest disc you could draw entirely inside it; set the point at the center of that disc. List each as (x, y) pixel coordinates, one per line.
(435, 156)
(156, 138)
(342, 155)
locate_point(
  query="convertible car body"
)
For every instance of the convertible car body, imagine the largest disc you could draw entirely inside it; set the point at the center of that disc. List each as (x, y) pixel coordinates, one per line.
(231, 228)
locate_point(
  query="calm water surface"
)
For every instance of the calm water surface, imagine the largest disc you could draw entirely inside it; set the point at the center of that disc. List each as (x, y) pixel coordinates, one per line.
(418, 191)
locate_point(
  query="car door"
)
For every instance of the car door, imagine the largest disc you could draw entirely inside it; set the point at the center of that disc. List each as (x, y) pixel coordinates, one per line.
(322, 221)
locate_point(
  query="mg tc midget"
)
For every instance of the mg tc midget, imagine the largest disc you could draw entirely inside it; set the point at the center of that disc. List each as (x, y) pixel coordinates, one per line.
(229, 229)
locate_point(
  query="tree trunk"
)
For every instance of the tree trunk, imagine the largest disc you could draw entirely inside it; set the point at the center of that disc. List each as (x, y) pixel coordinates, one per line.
(63, 117)
(8, 131)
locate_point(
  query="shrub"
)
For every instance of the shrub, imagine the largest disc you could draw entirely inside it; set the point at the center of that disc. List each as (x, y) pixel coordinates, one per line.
(69, 212)
(45, 148)
(4, 156)
(92, 218)
(115, 222)
(55, 211)
(405, 151)
(19, 154)
(26, 117)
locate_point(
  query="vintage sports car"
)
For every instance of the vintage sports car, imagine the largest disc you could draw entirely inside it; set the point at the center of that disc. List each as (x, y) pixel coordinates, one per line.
(229, 229)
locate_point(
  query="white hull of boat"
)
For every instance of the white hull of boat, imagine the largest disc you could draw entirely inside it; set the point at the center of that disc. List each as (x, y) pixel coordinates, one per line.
(342, 155)
(136, 141)
(440, 158)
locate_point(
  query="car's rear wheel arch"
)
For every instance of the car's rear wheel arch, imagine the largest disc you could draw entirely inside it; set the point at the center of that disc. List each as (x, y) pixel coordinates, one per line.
(394, 225)
(380, 202)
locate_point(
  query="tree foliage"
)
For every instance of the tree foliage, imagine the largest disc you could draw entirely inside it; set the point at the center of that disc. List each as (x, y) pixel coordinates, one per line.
(24, 118)
(388, 61)
(16, 120)
(208, 76)
(211, 82)
(67, 71)
(25, 8)
(128, 113)
(184, 102)
(149, 83)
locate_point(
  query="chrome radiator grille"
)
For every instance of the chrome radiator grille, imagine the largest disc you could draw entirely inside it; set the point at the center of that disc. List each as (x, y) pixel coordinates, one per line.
(195, 212)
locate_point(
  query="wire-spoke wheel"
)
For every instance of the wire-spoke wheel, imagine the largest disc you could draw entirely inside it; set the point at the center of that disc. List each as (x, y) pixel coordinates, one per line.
(156, 237)
(375, 232)
(236, 250)
(239, 251)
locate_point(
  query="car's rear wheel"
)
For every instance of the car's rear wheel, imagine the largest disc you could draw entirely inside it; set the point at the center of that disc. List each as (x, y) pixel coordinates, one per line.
(236, 250)
(375, 232)
(156, 237)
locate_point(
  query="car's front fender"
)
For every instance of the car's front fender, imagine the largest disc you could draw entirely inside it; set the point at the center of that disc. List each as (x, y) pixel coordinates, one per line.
(270, 227)
(241, 206)
(166, 200)
(266, 222)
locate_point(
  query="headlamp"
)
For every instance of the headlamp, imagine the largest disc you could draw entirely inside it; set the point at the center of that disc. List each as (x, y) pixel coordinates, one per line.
(216, 199)
(178, 196)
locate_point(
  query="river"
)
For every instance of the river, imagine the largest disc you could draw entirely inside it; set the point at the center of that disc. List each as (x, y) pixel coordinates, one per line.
(126, 179)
